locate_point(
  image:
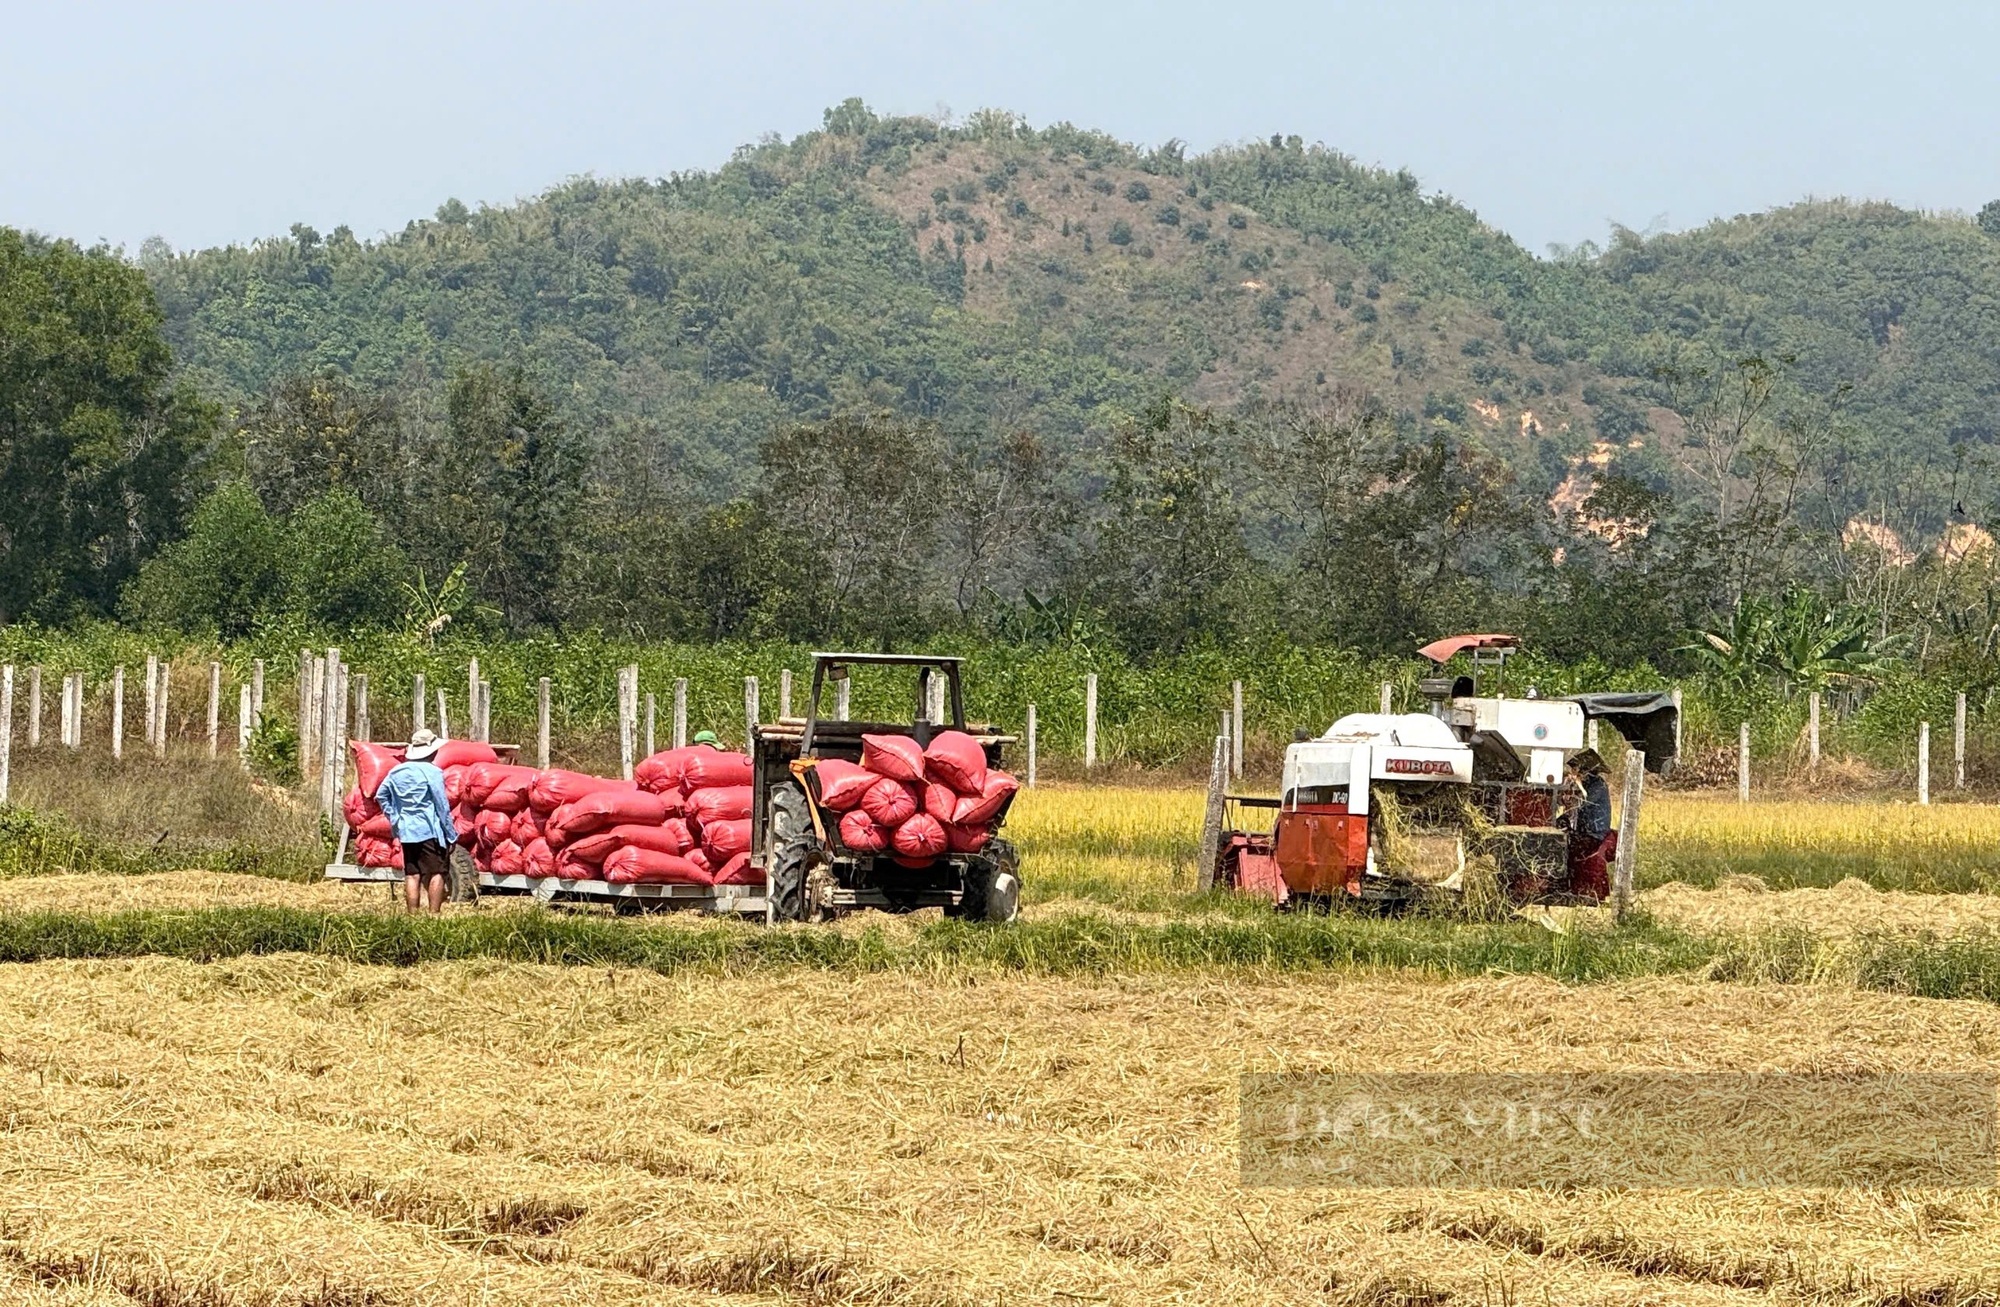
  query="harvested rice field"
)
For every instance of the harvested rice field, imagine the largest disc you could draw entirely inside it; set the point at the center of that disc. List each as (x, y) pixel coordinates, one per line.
(914, 1117)
(303, 1130)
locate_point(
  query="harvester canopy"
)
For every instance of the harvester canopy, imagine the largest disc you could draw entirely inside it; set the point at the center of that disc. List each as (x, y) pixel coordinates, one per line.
(1648, 719)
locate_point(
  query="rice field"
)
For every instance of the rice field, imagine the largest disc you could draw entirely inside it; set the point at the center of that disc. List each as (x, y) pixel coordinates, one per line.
(575, 1108)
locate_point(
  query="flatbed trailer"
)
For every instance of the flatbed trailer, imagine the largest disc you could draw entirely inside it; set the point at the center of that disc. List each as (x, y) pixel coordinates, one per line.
(745, 899)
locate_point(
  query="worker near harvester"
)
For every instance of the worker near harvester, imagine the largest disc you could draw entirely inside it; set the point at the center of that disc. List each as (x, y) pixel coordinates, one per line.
(412, 798)
(710, 738)
(1591, 842)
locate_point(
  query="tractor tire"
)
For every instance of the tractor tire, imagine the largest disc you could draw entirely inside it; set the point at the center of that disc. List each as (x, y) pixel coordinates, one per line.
(992, 884)
(462, 884)
(794, 852)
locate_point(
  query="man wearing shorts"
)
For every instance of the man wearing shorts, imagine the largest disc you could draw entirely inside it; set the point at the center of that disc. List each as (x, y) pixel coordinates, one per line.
(412, 797)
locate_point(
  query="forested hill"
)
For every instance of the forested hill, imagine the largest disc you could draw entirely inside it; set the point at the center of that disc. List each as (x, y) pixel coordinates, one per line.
(989, 275)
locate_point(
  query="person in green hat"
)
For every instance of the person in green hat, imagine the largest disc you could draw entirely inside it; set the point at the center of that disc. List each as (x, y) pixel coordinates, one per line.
(707, 737)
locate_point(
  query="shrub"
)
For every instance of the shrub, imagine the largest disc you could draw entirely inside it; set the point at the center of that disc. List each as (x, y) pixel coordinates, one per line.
(1138, 192)
(1238, 221)
(1168, 216)
(1120, 233)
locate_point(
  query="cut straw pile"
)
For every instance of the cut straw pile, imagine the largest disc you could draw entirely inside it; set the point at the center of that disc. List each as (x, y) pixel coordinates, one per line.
(1852, 907)
(305, 1131)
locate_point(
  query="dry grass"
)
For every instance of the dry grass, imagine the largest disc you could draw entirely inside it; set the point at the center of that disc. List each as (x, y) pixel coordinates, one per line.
(1852, 907)
(298, 1130)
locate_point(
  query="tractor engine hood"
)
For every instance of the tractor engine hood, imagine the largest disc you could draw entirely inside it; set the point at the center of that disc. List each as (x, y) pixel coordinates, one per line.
(1377, 746)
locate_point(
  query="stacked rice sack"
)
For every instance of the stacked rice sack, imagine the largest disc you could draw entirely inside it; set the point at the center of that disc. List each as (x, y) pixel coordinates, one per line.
(915, 804)
(685, 821)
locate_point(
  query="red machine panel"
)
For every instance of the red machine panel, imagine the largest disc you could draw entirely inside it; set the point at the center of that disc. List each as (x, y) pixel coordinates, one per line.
(1321, 849)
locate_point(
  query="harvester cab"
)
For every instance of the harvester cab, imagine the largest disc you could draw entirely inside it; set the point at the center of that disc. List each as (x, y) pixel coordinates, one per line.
(1389, 806)
(813, 873)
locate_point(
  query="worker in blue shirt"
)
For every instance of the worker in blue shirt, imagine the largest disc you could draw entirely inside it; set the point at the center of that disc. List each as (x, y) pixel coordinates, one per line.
(412, 797)
(1591, 842)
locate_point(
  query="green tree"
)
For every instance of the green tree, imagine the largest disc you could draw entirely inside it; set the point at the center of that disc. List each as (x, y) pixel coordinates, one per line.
(97, 444)
(222, 578)
(339, 570)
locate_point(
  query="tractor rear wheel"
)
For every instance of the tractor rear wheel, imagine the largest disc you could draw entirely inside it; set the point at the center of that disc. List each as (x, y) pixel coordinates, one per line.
(462, 883)
(794, 852)
(992, 884)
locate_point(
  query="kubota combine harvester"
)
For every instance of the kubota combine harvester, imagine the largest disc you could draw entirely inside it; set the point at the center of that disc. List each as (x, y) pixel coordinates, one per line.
(1387, 807)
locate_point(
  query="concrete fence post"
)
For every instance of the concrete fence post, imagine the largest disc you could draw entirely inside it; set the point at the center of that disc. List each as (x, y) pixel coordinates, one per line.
(1227, 735)
(784, 693)
(152, 698)
(1236, 729)
(214, 709)
(542, 723)
(1743, 763)
(329, 729)
(1211, 818)
(1923, 762)
(35, 707)
(1812, 734)
(652, 718)
(444, 716)
(118, 711)
(1090, 720)
(752, 711)
(6, 729)
(245, 716)
(1958, 744)
(256, 692)
(1678, 714)
(1031, 746)
(680, 712)
(364, 724)
(472, 699)
(1628, 832)
(160, 723)
(64, 711)
(628, 710)
(843, 698)
(1388, 698)
(1590, 734)
(417, 703)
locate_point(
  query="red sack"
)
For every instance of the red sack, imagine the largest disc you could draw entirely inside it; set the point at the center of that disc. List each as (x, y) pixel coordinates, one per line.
(922, 836)
(553, 788)
(507, 859)
(454, 788)
(940, 801)
(905, 860)
(722, 803)
(489, 828)
(647, 867)
(371, 763)
(464, 753)
(859, 832)
(478, 782)
(464, 821)
(568, 868)
(377, 828)
(378, 853)
(893, 755)
(359, 809)
(678, 829)
(890, 803)
(699, 859)
(553, 829)
(842, 783)
(538, 860)
(593, 849)
(604, 808)
(709, 768)
(524, 827)
(966, 839)
(662, 771)
(674, 802)
(670, 838)
(986, 806)
(738, 871)
(723, 840)
(958, 760)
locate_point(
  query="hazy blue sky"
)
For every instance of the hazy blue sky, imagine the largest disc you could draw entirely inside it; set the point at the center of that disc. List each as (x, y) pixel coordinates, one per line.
(206, 123)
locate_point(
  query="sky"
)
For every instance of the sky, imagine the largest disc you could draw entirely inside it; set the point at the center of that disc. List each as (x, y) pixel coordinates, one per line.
(210, 123)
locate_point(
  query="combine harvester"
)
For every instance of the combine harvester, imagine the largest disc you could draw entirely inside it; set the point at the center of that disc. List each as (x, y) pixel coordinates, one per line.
(807, 859)
(1390, 807)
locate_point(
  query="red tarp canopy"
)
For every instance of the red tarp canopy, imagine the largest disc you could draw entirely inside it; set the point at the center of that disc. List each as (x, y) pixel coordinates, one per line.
(1441, 651)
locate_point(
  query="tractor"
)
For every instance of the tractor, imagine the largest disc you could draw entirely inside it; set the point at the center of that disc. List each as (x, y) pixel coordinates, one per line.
(811, 875)
(1389, 807)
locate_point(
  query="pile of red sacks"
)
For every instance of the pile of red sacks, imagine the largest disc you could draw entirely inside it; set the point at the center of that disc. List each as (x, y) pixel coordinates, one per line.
(684, 819)
(915, 804)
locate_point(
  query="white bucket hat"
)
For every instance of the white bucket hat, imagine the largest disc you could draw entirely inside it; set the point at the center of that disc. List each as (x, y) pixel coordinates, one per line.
(422, 745)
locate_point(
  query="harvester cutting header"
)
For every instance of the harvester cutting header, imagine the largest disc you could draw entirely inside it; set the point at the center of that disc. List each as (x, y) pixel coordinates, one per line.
(1389, 806)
